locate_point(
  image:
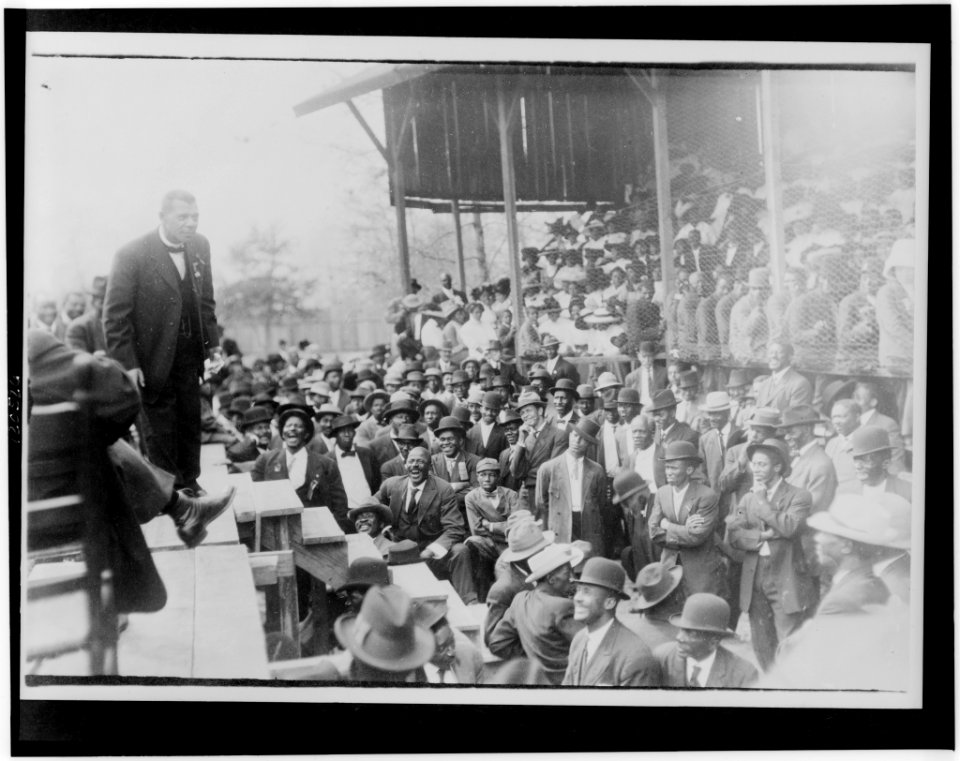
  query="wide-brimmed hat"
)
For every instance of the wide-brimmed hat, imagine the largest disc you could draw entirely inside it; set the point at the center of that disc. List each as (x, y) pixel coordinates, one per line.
(586, 391)
(475, 396)
(868, 439)
(300, 413)
(529, 397)
(716, 401)
(524, 539)
(655, 582)
(802, 414)
(509, 416)
(428, 612)
(689, 379)
(681, 450)
(459, 376)
(540, 373)
(774, 446)
(856, 517)
(404, 552)
(587, 429)
(344, 421)
(371, 505)
(370, 398)
(547, 339)
(255, 415)
(607, 380)
(498, 381)
(662, 400)
(899, 515)
(601, 316)
(628, 396)
(738, 378)
(704, 612)
(320, 388)
(415, 376)
(364, 573)
(626, 484)
(462, 414)
(385, 634)
(444, 411)
(412, 301)
(551, 558)
(565, 384)
(608, 574)
(469, 360)
(449, 423)
(400, 405)
(265, 400)
(768, 417)
(327, 409)
(836, 389)
(405, 432)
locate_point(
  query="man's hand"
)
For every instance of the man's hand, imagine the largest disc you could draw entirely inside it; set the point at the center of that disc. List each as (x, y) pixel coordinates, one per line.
(694, 522)
(664, 523)
(426, 554)
(136, 375)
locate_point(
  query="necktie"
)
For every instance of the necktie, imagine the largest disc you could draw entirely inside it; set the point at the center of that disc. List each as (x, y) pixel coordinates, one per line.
(351, 453)
(695, 677)
(411, 500)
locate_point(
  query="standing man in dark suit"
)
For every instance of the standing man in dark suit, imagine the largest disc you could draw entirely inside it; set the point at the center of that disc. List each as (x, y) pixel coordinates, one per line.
(648, 378)
(424, 510)
(696, 659)
(538, 443)
(357, 466)
(669, 430)
(159, 322)
(606, 653)
(556, 365)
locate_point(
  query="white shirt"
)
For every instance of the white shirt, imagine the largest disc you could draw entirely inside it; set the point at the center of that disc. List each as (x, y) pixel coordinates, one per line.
(765, 547)
(433, 675)
(354, 481)
(596, 637)
(297, 467)
(880, 567)
(874, 491)
(866, 416)
(562, 422)
(643, 465)
(179, 257)
(551, 364)
(416, 491)
(777, 377)
(485, 430)
(705, 666)
(678, 496)
(575, 472)
(611, 458)
(646, 381)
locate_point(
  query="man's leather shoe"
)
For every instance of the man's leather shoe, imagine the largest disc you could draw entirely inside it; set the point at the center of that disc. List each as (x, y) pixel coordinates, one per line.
(194, 514)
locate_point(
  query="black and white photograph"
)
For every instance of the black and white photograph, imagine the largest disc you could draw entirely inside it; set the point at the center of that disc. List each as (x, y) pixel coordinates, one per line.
(448, 370)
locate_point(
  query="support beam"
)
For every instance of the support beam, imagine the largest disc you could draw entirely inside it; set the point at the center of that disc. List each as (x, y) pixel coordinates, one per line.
(461, 267)
(661, 156)
(771, 168)
(395, 165)
(366, 128)
(509, 198)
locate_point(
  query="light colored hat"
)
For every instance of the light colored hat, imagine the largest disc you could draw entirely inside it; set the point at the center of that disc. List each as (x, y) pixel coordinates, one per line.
(607, 380)
(601, 316)
(902, 254)
(328, 409)
(529, 397)
(717, 401)
(551, 558)
(524, 539)
(320, 389)
(475, 396)
(856, 517)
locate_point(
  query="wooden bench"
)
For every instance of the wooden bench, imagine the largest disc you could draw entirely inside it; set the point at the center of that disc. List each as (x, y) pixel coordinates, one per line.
(418, 581)
(459, 615)
(318, 526)
(212, 456)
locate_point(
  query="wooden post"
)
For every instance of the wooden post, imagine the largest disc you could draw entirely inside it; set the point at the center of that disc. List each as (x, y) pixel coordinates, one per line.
(461, 268)
(399, 202)
(287, 588)
(661, 155)
(504, 118)
(771, 169)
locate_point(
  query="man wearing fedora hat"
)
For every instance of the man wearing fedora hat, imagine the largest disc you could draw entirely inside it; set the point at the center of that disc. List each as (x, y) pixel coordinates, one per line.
(424, 510)
(313, 476)
(737, 386)
(605, 653)
(658, 595)
(256, 439)
(565, 397)
(510, 422)
(455, 466)
(371, 517)
(571, 492)
(688, 408)
(401, 410)
(872, 455)
(85, 333)
(357, 466)
(525, 538)
(633, 496)
(683, 519)
(784, 387)
(539, 442)
(867, 395)
(455, 660)
(556, 365)
(720, 435)
(648, 378)
(540, 621)
(587, 400)
(371, 426)
(855, 640)
(696, 659)
(486, 438)
(488, 507)
(506, 370)
(386, 642)
(845, 416)
(810, 468)
(628, 408)
(405, 438)
(776, 586)
(663, 410)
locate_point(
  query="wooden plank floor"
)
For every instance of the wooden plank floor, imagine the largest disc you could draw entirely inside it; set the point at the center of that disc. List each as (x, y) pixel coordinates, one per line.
(418, 581)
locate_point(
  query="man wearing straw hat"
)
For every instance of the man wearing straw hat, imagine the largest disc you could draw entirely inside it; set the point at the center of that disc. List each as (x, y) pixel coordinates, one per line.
(632, 494)
(717, 440)
(696, 659)
(683, 520)
(605, 653)
(776, 587)
(541, 621)
(571, 492)
(539, 441)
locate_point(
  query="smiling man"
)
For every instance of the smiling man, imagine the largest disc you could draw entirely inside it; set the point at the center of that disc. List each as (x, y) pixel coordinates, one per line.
(159, 323)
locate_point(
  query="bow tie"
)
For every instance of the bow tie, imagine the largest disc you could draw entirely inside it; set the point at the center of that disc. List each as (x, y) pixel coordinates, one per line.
(174, 249)
(351, 453)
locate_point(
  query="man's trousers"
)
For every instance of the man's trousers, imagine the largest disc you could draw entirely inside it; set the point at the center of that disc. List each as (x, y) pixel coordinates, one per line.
(171, 423)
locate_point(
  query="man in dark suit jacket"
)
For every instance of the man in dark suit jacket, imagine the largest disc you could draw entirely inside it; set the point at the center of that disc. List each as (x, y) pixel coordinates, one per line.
(776, 587)
(315, 477)
(397, 413)
(697, 659)
(556, 365)
(669, 430)
(785, 387)
(648, 378)
(539, 442)
(496, 439)
(621, 659)
(344, 428)
(424, 510)
(506, 370)
(405, 438)
(452, 464)
(159, 322)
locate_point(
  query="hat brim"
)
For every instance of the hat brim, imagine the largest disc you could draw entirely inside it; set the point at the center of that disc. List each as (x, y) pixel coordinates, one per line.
(692, 458)
(722, 408)
(823, 521)
(619, 592)
(576, 558)
(554, 390)
(862, 452)
(795, 423)
(751, 448)
(382, 510)
(655, 407)
(585, 436)
(676, 576)
(679, 622)
(538, 403)
(618, 498)
(511, 556)
(354, 424)
(424, 647)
